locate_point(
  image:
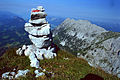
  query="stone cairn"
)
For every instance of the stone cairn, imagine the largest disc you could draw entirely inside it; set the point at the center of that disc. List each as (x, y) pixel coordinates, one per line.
(41, 37)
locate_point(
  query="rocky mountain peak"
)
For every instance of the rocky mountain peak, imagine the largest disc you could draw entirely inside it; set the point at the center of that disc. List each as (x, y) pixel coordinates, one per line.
(82, 29)
(99, 47)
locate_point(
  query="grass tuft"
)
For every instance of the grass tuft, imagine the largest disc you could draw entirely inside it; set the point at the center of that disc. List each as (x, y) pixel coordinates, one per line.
(71, 68)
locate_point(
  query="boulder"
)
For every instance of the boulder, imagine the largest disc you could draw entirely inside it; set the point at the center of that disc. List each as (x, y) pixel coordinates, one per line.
(38, 16)
(39, 30)
(38, 21)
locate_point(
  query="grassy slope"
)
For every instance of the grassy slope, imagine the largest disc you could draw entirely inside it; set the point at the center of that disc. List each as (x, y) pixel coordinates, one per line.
(71, 69)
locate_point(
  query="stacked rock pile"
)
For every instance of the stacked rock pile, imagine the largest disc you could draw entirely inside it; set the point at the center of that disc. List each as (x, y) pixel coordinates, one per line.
(41, 37)
(39, 29)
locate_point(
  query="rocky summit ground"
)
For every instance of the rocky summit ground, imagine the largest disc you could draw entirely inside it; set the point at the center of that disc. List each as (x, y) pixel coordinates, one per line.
(65, 67)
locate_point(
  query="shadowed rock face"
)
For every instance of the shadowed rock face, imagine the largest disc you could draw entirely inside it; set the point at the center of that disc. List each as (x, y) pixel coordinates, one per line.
(92, 77)
(91, 42)
(36, 16)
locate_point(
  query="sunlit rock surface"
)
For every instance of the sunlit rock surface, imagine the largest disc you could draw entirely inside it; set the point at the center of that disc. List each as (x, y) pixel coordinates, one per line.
(14, 75)
(41, 37)
(99, 47)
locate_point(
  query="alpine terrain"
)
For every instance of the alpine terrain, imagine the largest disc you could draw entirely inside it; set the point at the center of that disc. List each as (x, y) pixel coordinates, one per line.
(99, 47)
(47, 56)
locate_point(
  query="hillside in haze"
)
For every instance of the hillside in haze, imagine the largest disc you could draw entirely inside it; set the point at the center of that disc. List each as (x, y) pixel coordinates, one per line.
(55, 21)
(108, 24)
(8, 18)
(11, 30)
(13, 34)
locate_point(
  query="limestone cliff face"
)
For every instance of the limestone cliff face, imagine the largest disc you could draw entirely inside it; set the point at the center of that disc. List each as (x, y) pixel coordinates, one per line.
(99, 47)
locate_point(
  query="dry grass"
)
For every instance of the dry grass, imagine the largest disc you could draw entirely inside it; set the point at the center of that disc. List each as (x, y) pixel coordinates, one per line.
(71, 69)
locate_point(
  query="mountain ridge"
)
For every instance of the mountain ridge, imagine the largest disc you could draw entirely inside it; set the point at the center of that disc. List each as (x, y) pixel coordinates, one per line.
(91, 42)
(11, 31)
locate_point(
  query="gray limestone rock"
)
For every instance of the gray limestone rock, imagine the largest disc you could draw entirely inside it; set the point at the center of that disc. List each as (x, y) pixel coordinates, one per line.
(41, 37)
(99, 47)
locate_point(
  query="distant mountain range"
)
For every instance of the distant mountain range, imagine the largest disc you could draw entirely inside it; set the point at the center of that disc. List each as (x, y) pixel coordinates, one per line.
(111, 26)
(11, 30)
(54, 21)
(10, 19)
(108, 24)
(13, 34)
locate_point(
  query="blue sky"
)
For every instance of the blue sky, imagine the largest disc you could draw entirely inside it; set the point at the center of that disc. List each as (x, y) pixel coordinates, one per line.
(65, 8)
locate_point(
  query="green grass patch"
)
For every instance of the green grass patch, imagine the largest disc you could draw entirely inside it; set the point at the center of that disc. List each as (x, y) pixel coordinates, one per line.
(71, 69)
